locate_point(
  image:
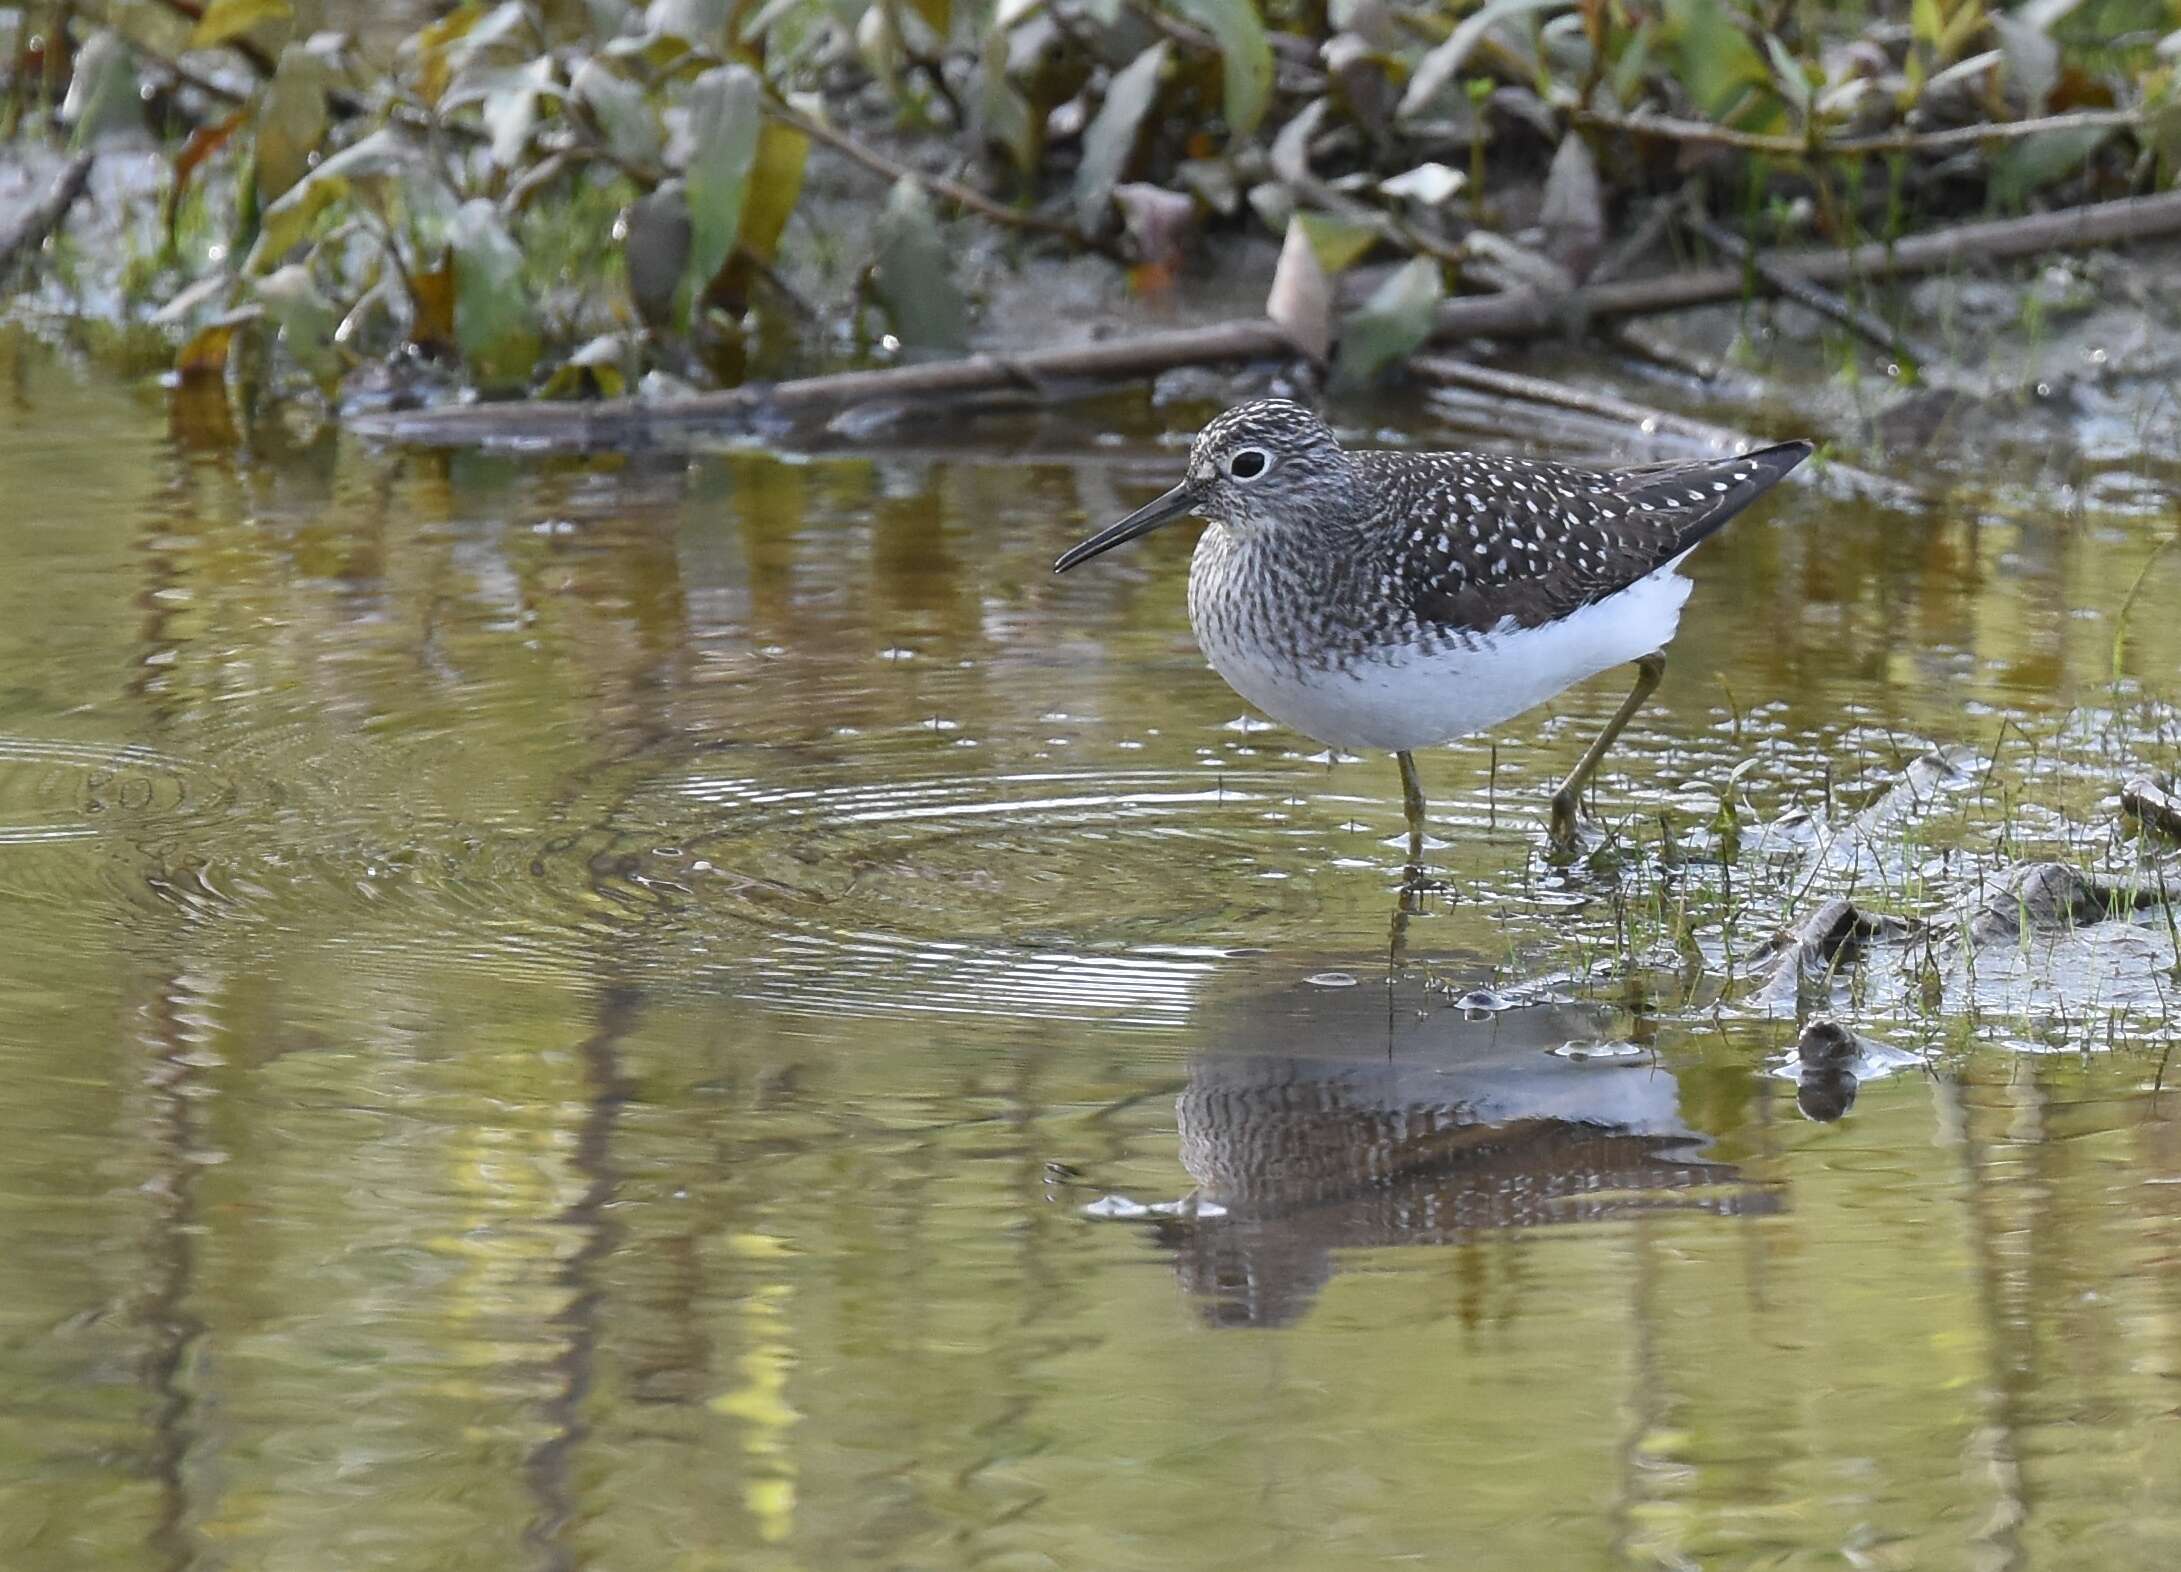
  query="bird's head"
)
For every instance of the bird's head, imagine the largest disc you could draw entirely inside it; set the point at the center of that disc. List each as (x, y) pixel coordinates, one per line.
(1261, 465)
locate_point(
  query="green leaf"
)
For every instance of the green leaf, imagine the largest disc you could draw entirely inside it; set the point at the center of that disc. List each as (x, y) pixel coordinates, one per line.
(1427, 185)
(204, 357)
(913, 274)
(726, 109)
(2033, 60)
(1788, 74)
(506, 31)
(1573, 212)
(1245, 57)
(655, 251)
(289, 220)
(626, 122)
(1291, 148)
(434, 44)
(1301, 299)
(487, 56)
(2027, 166)
(1719, 65)
(102, 94)
(305, 318)
(492, 317)
(1003, 113)
(1924, 22)
(1110, 140)
(1635, 60)
(776, 185)
(1389, 326)
(225, 19)
(292, 121)
(1338, 242)
(511, 106)
(701, 22)
(1445, 61)
(600, 369)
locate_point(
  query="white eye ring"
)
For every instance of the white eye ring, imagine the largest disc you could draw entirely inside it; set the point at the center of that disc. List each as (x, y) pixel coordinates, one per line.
(1256, 472)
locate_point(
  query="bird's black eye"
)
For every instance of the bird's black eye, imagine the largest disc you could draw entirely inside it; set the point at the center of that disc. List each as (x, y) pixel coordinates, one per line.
(1248, 464)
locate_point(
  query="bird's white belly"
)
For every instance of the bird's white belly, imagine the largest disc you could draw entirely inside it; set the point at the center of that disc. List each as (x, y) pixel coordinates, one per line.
(1410, 698)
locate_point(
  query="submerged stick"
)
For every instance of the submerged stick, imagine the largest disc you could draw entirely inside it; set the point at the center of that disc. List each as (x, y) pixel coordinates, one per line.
(1627, 412)
(1560, 395)
(1514, 313)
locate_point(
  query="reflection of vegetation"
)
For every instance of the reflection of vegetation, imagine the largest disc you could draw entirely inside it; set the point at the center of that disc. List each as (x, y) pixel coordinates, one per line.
(571, 198)
(832, 1262)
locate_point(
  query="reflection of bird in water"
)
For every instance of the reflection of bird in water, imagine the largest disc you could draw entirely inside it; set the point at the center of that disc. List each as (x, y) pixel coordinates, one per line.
(1832, 1061)
(1326, 1127)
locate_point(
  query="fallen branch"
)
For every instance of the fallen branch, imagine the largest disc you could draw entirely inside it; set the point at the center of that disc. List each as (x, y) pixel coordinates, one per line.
(1642, 417)
(611, 423)
(1543, 390)
(1950, 140)
(1516, 313)
(45, 215)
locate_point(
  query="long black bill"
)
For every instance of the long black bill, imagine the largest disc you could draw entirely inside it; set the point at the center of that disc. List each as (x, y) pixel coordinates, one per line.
(1175, 504)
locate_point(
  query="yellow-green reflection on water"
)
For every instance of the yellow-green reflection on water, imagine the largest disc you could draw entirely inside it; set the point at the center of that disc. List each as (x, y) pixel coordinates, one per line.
(712, 1014)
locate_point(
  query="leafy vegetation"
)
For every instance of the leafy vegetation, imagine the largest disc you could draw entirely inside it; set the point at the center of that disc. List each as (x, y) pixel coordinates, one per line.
(595, 197)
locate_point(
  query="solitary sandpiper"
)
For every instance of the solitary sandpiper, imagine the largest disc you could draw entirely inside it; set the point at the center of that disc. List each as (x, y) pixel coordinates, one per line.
(1396, 599)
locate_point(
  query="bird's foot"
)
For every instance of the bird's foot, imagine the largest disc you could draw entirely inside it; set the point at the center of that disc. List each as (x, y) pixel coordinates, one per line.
(1417, 883)
(1572, 830)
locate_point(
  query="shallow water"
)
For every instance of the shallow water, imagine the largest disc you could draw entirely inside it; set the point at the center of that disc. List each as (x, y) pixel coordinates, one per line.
(701, 1013)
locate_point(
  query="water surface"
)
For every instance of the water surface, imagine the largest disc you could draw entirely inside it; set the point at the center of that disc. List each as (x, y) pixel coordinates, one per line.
(686, 1013)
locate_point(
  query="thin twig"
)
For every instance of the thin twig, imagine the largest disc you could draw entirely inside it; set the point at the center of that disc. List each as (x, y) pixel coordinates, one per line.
(1633, 337)
(967, 197)
(1952, 139)
(46, 214)
(1648, 233)
(1814, 296)
(1293, 70)
(1640, 342)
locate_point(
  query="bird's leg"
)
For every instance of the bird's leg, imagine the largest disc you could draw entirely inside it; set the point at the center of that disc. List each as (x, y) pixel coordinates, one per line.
(1567, 801)
(1412, 801)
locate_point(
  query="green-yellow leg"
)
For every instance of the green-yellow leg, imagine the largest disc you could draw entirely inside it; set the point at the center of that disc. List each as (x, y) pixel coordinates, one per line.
(1567, 801)
(1412, 801)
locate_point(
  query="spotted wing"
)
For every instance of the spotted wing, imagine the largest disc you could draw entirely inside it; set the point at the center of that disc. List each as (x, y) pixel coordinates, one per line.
(1482, 539)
